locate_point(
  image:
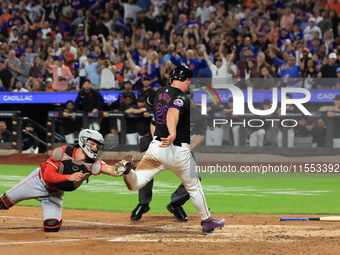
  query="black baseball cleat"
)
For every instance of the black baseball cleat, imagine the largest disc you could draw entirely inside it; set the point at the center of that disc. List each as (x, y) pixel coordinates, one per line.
(137, 213)
(123, 166)
(179, 213)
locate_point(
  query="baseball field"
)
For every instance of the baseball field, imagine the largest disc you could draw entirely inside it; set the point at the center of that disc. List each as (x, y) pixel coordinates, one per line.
(97, 217)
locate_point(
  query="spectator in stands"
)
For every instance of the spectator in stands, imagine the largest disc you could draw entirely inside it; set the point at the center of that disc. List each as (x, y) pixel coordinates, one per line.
(32, 85)
(12, 63)
(61, 73)
(131, 10)
(194, 64)
(19, 87)
(329, 71)
(74, 83)
(80, 17)
(24, 69)
(49, 86)
(292, 74)
(119, 65)
(89, 100)
(107, 75)
(256, 71)
(311, 29)
(91, 70)
(151, 73)
(269, 81)
(220, 70)
(287, 20)
(244, 68)
(203, 12)
(36, 67)
(131, 70)
(146, 22)
(68, 56)
(309, 75)
(165, 72)
(5, 135)
(6, 76)
(44, 86)
(29, 143)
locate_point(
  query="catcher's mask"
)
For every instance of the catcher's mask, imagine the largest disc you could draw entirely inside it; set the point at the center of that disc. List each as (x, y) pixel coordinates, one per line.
(91, 135)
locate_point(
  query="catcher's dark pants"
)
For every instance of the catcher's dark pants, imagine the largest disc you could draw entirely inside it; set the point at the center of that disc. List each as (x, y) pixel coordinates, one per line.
(178, 198)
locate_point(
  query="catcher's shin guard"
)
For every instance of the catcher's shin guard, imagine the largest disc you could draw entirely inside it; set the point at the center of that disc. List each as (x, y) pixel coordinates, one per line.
(52, 225)
(5, 202)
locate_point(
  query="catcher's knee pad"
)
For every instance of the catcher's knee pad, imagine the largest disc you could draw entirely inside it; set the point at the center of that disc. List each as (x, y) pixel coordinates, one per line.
(5, 202)
(52, 225)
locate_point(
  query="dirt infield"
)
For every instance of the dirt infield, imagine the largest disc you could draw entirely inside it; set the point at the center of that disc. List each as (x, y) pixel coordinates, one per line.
(91, 232)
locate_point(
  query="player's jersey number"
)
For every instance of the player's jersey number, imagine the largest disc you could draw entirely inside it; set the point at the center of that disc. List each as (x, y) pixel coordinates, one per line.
(161, 112)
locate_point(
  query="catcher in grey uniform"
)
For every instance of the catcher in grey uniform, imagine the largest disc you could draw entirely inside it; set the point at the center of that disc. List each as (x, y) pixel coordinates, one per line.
(65, 170)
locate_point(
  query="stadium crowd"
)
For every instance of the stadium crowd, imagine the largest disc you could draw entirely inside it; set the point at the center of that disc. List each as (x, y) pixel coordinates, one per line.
(59, 45)
(56, 45)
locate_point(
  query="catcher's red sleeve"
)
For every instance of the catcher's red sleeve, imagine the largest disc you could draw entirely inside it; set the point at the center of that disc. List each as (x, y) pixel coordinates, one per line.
(49, 173)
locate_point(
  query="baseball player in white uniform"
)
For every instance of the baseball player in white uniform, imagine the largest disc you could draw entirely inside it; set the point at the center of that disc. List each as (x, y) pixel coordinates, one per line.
(170, 147)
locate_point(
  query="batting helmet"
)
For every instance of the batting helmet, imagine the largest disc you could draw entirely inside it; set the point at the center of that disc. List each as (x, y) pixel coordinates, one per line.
(181, 73)
(92, 135)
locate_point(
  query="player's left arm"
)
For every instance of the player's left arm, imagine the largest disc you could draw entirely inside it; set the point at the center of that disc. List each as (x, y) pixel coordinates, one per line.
(171, 122)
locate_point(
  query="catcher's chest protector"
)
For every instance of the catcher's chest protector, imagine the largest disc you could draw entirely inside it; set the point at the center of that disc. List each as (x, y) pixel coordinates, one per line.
(69, 165)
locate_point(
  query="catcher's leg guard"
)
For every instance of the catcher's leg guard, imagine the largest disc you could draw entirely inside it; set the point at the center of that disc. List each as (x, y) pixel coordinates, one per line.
(5, 202)
(52, 225)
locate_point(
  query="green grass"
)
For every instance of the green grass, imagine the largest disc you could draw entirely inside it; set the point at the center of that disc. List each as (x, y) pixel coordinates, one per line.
(224, 195)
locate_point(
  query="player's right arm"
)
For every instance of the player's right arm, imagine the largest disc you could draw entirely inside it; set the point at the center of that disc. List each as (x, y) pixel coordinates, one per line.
(52, 165)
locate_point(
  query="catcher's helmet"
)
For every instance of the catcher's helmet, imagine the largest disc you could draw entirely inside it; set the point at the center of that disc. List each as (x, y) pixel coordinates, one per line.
(95, 136)
(181, 73)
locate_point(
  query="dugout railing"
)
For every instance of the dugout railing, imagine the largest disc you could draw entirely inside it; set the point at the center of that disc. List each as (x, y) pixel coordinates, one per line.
(53, 116)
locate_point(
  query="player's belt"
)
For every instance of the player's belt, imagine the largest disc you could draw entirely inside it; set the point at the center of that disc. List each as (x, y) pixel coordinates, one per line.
(176, 144)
